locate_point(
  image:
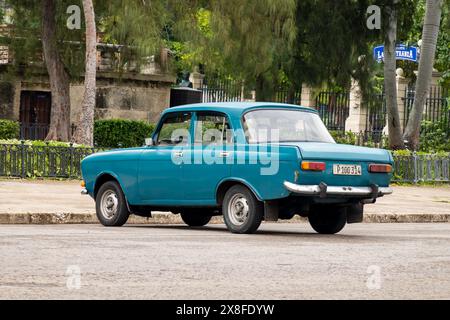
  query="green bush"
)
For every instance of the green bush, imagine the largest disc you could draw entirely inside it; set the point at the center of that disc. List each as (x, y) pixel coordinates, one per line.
(120, 133)
(408, 153)
(435, 136)
(9, 129)
(40, 143)
(344, 137)
(358, 139)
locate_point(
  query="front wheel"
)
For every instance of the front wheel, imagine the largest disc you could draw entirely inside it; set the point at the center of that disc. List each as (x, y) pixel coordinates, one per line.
(111, 206)
(242, 212)
(328, 219)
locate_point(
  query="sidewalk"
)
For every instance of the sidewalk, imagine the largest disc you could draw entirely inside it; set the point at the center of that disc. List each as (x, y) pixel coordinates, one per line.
(53, 202)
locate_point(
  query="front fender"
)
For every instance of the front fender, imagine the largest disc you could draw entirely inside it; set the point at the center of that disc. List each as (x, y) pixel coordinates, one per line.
(103, 174)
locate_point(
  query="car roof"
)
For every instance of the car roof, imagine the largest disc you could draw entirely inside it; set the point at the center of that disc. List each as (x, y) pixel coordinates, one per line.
(236, 108)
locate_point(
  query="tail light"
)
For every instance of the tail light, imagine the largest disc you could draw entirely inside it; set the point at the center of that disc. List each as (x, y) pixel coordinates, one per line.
(380, 168)
(313, 166)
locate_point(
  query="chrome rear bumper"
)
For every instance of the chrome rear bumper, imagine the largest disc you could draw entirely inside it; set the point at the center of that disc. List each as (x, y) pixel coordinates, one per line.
(84, 192)
(323, 190)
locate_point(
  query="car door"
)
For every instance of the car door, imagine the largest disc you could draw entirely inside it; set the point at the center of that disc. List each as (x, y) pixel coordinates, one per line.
(211, 157)
(160, 169)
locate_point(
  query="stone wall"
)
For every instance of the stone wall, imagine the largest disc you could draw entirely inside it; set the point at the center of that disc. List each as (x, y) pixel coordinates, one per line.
(141, 97)
(6, 100)
(136, 97)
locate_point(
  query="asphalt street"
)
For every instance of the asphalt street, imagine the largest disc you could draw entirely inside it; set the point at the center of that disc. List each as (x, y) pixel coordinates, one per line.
(281, 261)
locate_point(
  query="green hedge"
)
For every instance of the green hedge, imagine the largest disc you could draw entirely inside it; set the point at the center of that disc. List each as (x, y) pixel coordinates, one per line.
(435, 136)
(41, 143)
(120, 133)
(9, 129)
(358, 139)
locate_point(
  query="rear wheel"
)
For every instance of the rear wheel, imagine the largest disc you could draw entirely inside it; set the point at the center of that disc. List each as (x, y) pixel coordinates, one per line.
(242, 212)
(196, 218)
(328, 219)
(111, 206)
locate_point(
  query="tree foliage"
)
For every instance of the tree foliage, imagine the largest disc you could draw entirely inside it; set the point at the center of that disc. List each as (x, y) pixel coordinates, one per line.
(136, 25)
(332, 42)
(442, 61)
(248, 40)
(25, 38)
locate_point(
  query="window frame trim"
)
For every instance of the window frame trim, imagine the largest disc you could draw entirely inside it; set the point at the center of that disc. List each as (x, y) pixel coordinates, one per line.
(216, 113)
(161, 123)
(242, 119)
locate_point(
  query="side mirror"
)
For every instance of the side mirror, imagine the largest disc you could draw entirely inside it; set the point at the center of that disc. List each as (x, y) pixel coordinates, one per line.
(149, 142)
(179, 140)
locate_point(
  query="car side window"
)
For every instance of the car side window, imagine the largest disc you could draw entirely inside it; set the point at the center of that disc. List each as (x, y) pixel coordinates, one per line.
(212, 129)
(175, 130)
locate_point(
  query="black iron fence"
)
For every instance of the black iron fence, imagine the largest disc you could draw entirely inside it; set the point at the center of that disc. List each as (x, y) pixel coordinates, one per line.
(362, 139)
(222, 90)
(437, 108)
(285, 95)
(27, 161)
(33, 131)
(217, 89)
(375, 118)
(333, 108)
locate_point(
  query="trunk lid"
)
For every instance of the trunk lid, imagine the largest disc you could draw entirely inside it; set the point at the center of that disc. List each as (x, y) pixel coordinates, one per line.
(340, 152)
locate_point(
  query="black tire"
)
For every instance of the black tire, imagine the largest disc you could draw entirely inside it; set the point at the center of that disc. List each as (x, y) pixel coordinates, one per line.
(252, 210)
(328, 219)
(195, 218)
(116, 215)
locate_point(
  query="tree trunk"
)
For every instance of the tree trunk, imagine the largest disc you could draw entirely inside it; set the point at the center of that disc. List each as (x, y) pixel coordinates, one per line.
(58, 76)
(390, 85)
(263, 89)
(84, 133)
(427, 53)
(292, 90)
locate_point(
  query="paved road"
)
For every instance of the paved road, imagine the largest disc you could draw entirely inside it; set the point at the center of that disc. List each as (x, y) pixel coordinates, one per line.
(282, 261)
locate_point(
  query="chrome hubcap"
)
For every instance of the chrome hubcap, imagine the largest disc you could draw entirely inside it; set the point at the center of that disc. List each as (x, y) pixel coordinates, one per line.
(238, 209)
(109, 204)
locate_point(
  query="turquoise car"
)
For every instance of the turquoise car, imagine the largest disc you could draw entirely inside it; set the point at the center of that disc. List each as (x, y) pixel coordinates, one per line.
(246, 161)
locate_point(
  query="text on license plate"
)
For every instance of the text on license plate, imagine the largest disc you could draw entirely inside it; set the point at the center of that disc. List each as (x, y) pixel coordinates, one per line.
(347, 169)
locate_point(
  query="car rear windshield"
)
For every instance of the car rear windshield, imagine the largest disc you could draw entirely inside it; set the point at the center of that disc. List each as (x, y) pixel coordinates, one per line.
(280, 125)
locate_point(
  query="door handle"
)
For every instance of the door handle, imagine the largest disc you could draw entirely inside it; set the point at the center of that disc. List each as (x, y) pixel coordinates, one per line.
(179, 154)
(224, 154)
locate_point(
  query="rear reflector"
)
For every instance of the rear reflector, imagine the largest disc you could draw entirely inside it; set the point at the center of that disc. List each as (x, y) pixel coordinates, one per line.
(380, 168)
(313, 166)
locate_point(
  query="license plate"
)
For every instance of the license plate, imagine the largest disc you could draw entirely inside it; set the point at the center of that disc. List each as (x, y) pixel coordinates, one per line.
(347, 170)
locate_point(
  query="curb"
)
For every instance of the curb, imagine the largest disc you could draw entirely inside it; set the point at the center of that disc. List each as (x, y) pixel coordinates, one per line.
(89, 218)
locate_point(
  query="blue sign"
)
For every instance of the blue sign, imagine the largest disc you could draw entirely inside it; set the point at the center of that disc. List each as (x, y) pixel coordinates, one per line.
(402, 52)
